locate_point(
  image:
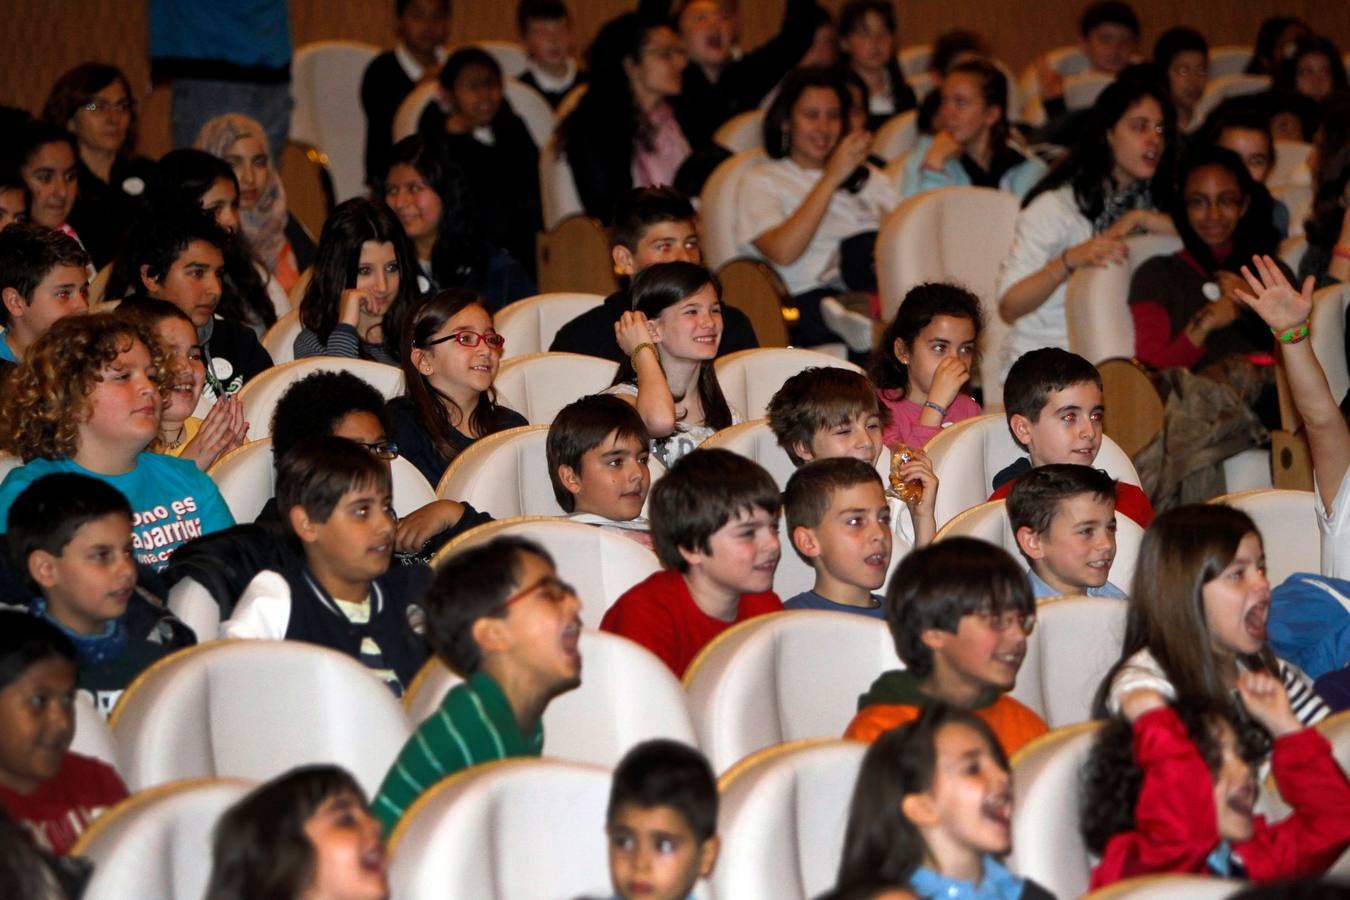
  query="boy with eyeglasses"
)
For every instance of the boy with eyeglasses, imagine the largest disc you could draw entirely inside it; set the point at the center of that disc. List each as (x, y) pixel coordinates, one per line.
(334, 498)
(499, 617)
(960, 612)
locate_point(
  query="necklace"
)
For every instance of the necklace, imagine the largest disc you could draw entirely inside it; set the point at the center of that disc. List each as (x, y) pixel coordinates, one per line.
(177, 439)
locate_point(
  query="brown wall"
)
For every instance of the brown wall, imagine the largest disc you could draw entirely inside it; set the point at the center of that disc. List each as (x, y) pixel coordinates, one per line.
(45, 37)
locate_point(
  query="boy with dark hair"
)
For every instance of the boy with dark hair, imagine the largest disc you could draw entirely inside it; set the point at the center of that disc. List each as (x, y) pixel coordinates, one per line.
(651, 225)
(715, 529)
(70, 535)
(334, 498)
(545, 28)
(51, 793)
(182, 260)
(42, 279)
(661, 822)
(1183, 56)
(498, 616)
(960, 613)
(1053, 400)
(1109, 30)
(1064, 520)
(840, 525)
(421, 27)
(597, 450)
(824, 412)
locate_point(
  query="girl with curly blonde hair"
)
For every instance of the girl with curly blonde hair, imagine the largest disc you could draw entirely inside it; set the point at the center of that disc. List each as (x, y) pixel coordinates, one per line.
(88, 399)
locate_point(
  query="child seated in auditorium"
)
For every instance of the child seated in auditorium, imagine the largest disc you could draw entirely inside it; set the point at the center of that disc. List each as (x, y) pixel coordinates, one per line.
(1173, 789)
(306, 833)
(597, 460)
(342, 404)
(715, 527)
(840, 525)
(826, 412)
(651, 225)
(550, 56)
(924, 360)
(89, 401)
(960, 612)
(71, 535)
(334, 498)
(932, 810)
(661, 822)
(52, 793)
(1064, 520)
(181, 259)
(499, 617)
(42, 276)
(1053, 400)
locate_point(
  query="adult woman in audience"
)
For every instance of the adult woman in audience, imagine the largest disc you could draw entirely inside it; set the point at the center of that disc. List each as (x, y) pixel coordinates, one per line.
(1274, 42)
(429, 194)
(1108, 187)
(867, 37)
(971, 144)
(274, 235)
(951, 47)
(623, 132)
(450, 359)
(478, 130)
(1327, 258)
(94, 102)
(363, 286)
(187, 180)
(1186, 313)
(816, 193)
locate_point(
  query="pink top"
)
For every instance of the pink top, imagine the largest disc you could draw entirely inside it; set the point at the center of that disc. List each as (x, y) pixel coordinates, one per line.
(669, 150)
(905, 427)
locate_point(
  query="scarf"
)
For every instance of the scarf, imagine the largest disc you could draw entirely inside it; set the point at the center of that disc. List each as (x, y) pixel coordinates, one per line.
(264, 226)
(1116, 203)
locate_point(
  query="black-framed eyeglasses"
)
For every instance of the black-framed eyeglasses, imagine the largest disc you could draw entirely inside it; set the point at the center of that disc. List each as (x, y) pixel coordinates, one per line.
(125, 107)
(473, 339)
(381, 449)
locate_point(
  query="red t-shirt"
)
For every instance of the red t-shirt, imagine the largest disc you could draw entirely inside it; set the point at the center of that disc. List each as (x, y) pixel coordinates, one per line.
(660, 614)
(1130, 500)
(61, 808)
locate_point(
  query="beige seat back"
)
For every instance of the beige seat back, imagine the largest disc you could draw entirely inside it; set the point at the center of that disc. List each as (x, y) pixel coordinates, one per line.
(519, 829)
(784, 677)
(530, 324)
(254, 709)
(744, 131)
(326, 90)
(92, 738)
(750, 378)
(627, 695)
(539, 385)
(782, 817)
(1287, 521)
(259, 396)
(1097, 301)
(718, 208)
(897, 135)
(279, 341)
(1076, 641)
(1047, 846)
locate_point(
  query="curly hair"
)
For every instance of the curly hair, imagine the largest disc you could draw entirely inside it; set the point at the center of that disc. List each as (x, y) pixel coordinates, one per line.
(1112, 778)
(48, 396)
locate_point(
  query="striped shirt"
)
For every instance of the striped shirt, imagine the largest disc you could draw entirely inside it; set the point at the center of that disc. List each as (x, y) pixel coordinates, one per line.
(475, 724)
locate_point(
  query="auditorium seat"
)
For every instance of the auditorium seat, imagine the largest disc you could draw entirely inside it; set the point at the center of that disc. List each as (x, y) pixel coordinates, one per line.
(749, 378)
(539, 385)
(531, 323)
(1287, 521)
(1046, 844)
(259, 396)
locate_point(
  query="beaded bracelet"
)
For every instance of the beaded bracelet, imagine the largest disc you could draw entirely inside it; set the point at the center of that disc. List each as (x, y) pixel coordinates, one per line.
(632, 357)
(942, 410)
(1292, 335)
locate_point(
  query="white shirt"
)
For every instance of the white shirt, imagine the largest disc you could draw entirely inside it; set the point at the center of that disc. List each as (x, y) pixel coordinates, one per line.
(409, 64)
(546, 81)
(773, 191)
(1045, 229)
(1335, 527)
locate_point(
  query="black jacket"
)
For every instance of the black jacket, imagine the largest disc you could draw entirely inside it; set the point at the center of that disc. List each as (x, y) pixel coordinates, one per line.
(592, 332)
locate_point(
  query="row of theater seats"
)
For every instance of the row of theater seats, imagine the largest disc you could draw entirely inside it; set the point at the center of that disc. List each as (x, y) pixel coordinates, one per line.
(533, 828)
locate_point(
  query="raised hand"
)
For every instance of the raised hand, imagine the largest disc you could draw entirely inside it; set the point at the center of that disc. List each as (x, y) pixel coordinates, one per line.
(1273, 297)
(1265, 698)
(847, 155)
(948, 377)
(633, 329)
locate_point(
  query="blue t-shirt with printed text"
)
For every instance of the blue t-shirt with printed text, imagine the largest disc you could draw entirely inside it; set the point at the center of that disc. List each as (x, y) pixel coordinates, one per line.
(172, 501)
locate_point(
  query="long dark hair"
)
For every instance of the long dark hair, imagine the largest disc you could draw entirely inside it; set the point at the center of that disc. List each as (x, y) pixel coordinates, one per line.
(920, 306)
(1087, 167)
(777, 121)
(1264, 50)
(880, 842)
(261, 851)
(335, 263)
(665, 284)
(1255, 233)
(180, 179)
(850, 19)
(609, 95)
(431, 404)
(77, 86)
(460, 247)
(1183, 550)
(1323, 227)
(1286, 76)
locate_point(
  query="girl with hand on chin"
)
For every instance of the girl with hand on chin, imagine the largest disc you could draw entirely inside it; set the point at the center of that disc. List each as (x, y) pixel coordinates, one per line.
(670, 339)
(363, 286)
